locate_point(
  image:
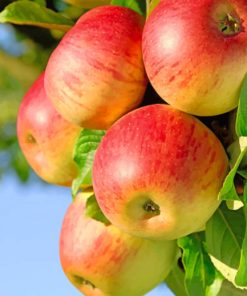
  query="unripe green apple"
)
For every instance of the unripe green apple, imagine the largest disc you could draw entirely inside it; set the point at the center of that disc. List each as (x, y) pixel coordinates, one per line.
(46, 139)
(195, 53)
(101, 260)
(158, 171)
(96, 73)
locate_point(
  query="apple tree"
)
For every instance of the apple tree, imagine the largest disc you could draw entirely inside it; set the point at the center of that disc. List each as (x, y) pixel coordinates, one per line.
(206, 258)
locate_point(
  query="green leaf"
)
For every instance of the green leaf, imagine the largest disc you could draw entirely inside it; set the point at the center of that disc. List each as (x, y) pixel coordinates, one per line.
(93, 210)
(175, 281)
(241, 277)
(151, 5)
(241, 131)
(245, 195)
(136, 5)
(201, 277)
(228, 190)
(224, 235)
(228, 289)
(241, 121)
(88, 4)
(242, 173)
(30, 13)
(84, 152)
(20, 164)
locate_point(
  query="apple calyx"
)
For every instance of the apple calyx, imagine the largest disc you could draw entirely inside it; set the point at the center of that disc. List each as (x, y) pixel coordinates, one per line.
(31, 139)
(151, 208)
(80, 281)
(231, 25)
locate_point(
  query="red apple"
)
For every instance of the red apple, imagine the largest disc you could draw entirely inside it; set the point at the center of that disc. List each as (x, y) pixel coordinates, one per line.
(96, 74)
(46, 139)
(195, 53)
(102, 260)
(158, 171)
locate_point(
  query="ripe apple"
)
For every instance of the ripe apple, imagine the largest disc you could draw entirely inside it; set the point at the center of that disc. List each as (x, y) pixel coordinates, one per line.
(96, 74)
(102, 260)
(195, 53)
(46, 139)
(158, 171)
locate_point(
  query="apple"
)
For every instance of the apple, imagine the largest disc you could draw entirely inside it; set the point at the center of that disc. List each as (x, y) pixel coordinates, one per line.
(99, 259)
(195, 53)
(46, 139)
(158, 171)
(96, 73)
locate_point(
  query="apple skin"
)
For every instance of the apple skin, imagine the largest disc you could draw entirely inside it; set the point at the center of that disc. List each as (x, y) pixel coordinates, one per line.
(46, 139)
(159, 156)
(115, 262)
(191, 64)
(96, 73)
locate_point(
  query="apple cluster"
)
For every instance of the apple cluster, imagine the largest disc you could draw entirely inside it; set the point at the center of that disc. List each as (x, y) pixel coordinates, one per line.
(158, 170)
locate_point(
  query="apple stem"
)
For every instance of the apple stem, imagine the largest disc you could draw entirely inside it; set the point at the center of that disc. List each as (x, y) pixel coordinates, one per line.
(231, 25)
(151, 207)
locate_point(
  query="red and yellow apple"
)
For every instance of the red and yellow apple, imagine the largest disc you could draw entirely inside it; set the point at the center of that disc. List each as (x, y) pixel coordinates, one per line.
(158, 171)
(195, 53)
(102, 260)
(96, 73)
(46, 139)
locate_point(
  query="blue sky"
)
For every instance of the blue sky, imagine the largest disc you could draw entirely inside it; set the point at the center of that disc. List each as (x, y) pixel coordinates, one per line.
(30, 219)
